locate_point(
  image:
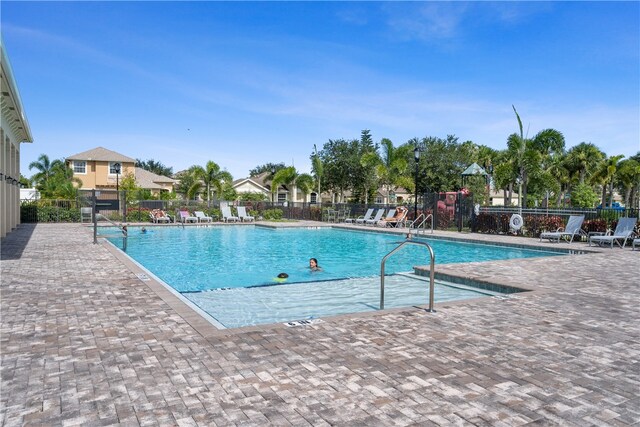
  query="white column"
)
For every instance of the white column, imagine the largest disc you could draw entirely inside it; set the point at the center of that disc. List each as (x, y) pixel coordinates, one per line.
(3, 189)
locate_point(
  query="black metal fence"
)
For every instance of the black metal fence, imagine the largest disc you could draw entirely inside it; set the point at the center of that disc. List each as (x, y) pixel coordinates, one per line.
(451, 211)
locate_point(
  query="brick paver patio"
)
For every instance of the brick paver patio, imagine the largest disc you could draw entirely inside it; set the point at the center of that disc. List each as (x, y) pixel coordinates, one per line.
(85, 342)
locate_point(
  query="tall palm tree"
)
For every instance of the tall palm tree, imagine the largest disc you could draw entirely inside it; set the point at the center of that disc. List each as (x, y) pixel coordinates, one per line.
(582, 158)
(289, 176)
(212, 177)
(604, 175)
(317, 168)
(393, 168)
(46, 169)
(627, 177)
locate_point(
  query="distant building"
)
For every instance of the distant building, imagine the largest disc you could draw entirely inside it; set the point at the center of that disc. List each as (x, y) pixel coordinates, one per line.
(14, 130)
(97, 169)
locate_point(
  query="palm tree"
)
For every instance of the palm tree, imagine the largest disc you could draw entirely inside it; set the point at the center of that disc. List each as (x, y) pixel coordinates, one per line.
(212, 177)
(604, 175)
(628, 177)
(583, 158)
(46, 169)
(317, 168)
(393, 168)
(289, 176)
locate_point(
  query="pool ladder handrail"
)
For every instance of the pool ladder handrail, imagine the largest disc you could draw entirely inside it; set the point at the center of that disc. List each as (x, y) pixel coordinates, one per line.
(122, 228)
(431, 270)
(417, 225)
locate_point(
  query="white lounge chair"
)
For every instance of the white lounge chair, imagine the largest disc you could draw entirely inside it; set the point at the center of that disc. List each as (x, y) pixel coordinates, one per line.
(573, 228)
(389, 217)
(624, 230)
(376, 218)
(362, 219)
(202, 217)
(158, 215)
(242, 213)
(226, 215)
(184, 216)
(398, 220)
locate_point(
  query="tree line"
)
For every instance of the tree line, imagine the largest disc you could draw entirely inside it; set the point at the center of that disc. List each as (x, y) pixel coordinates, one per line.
(539, 168)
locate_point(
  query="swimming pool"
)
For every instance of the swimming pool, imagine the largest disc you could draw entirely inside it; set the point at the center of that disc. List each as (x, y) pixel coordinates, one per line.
(193, 259)
(229, 272)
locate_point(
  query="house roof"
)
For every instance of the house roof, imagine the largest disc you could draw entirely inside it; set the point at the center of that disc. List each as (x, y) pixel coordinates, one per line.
(150, 180)
(474, 169)
(239, 182)
(10, 102)
(101, 154)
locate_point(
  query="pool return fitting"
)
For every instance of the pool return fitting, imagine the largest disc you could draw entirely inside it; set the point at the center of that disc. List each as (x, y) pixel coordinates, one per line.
(408, 241)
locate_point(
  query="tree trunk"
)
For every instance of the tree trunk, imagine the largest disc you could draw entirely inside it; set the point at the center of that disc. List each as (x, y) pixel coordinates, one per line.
(611, 193)
(603, 200)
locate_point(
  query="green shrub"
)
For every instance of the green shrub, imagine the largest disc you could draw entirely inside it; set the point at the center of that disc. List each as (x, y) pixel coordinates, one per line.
(43, 212)
(272, 214)
(138, 215)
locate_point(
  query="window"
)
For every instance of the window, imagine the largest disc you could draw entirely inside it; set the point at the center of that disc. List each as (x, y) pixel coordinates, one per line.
(79, 166)
(314, 198)
(282, 197)
(113, 166)
(379, 200)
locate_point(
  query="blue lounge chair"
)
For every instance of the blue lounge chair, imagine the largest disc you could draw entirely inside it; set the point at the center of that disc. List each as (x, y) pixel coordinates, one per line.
(362, 219)
(376, 218)
(624, 230)
(573, 229)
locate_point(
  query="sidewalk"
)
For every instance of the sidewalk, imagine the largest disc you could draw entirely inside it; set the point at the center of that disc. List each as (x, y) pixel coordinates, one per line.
(85, 342)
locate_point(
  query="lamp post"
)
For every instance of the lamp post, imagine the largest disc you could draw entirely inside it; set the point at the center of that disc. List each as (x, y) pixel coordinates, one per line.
(273, 172)
(416, 157)
(116, 169)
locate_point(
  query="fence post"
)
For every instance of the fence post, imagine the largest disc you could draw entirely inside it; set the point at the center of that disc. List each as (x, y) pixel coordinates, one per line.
(95, 216)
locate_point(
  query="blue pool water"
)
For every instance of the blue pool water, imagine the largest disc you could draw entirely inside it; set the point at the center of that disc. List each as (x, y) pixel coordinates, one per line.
(193, 259)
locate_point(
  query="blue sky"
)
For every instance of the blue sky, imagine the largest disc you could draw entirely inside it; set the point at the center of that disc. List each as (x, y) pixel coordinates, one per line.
(246, 83)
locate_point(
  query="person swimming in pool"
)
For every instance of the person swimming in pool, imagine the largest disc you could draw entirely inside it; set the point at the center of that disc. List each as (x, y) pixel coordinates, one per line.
(282, 277)
(313, 265)
(143, 230)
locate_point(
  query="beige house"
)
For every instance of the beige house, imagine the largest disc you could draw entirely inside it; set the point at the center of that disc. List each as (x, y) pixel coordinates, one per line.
(98, 170)
(14, 130)
(261, 185)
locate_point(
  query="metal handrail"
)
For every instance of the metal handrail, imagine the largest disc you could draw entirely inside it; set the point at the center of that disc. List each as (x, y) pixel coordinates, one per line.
(431, 271)
(421, 223)
(122, 228)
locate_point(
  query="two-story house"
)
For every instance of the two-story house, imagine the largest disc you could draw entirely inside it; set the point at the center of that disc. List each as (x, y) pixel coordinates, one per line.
(101, 169)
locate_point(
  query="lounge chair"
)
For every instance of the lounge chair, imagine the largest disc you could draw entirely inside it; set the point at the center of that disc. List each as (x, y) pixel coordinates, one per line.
(242, 213)
(184, 216)
(226, 215)
(624, 230)
(361, 219)
(396, 220)
(376, 218)
(202, 217)
(573, 228)
(636, 242)
(158, 216)
(388, 217)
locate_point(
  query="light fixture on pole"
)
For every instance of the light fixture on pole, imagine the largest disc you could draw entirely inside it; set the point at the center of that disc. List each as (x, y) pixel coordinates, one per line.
(416, 157)
(116, 169)
(273, 190)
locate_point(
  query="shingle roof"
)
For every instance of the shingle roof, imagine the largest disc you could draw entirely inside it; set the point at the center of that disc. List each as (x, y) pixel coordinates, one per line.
(101, 154)
(149, 180)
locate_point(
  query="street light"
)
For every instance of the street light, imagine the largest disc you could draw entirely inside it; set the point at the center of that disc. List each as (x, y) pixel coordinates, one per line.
(273, 172)
(416, 157)
(116, 169)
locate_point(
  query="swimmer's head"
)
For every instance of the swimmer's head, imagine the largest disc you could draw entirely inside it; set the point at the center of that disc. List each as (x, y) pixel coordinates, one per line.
(283, 276)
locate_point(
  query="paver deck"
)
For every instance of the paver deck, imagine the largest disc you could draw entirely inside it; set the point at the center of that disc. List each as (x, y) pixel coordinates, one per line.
(85, 342)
